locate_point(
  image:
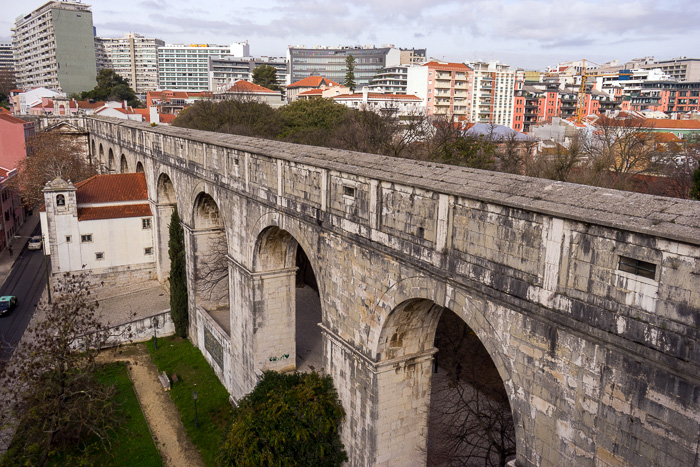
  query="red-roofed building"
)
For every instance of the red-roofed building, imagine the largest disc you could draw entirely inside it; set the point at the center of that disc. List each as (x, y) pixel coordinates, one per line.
(307, 84)
(247, 91)
(172, 102)
(103, 224)
(444, 87)
(394, 104)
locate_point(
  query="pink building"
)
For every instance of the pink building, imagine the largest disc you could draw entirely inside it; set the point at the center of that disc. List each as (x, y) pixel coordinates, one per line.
(12, 216)
(13, 136)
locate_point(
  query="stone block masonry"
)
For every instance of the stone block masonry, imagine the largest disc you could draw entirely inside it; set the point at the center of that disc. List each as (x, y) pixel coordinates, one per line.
(587, 300)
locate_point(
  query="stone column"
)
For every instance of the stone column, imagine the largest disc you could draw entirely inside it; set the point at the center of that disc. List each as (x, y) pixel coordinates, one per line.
(242, 300)
(162, 214)
(190, 258)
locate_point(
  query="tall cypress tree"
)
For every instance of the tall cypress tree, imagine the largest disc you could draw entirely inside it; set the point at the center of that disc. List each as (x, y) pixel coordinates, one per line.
(695, 190)
(178, 276)
(350, 73)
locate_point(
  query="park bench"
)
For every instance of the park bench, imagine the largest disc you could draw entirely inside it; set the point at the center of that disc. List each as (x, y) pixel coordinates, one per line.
(164, 380)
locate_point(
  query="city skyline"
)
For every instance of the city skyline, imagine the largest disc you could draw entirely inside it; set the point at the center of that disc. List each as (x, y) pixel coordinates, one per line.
(528, 34)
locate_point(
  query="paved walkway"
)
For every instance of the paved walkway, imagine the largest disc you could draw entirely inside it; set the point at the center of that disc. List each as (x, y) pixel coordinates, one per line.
(162, 416)
(18, 241)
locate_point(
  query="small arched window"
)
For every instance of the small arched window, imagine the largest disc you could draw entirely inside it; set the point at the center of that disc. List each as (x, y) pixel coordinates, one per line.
(60, 200)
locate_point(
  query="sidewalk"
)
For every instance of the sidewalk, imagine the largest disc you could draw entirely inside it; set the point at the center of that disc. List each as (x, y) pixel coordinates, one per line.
(18, 242)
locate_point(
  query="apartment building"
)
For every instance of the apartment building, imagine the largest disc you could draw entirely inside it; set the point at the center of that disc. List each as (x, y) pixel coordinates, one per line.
(7, 59)
(680, 69)
(186, 67)
(329, 62)
(493, 94)
(226, 70)
(54, 47)
(444, 87)
(133, 57)
(392, 79)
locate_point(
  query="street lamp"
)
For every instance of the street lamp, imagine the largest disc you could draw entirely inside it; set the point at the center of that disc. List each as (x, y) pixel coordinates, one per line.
(155, 337)
(196, 417)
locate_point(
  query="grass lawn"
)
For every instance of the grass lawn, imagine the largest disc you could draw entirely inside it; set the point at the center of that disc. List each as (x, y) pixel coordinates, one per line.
(130, 445)
(179, 356)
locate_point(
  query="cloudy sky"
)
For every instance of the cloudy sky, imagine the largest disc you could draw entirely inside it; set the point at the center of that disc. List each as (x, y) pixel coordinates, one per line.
(524, 33)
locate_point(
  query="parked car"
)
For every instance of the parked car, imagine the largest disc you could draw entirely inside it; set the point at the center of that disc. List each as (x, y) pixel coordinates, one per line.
(7, 303)
(35, 243)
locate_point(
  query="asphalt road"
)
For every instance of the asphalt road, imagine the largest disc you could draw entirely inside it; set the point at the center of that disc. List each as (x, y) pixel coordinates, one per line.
(26, 281)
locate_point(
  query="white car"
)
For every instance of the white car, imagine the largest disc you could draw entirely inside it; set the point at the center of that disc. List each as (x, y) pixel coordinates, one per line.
(35, 243)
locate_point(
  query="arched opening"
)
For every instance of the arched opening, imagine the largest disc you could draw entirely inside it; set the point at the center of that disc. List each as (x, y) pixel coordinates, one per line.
(124, 166)
(444, 397)
(92, 153)
(290, 294)
(470, 421)
(165, 204)
(211, 261)
(139, 167)
(101, 159)
(110, 163)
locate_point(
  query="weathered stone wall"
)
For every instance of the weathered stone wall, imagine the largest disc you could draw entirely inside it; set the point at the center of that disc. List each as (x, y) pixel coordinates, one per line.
(600, 365)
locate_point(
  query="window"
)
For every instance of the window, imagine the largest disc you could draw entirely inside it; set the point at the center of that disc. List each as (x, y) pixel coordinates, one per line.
(68, 238)
(86, 238)
(348, 191)
(148, 251)
(146, 223)
(637, 267)
(60, 200)
(99, 256)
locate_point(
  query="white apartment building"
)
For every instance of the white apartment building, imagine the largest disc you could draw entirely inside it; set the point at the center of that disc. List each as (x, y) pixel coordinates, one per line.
(54, 47)
(133, 57)
(493, 93)
(186, 67)
(226, 70)
(393, 79)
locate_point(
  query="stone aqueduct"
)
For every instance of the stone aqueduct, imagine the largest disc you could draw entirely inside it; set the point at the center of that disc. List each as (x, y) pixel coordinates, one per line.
(601, 366)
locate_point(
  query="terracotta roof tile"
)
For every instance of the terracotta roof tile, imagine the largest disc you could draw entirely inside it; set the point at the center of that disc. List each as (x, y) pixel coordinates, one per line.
(90, 105)
(11, 118)
(112, 188)
(114, 212)
(451, 66)
(312, 92)
(376, 95)
(313, 82)
(167, 118)
(246, 86)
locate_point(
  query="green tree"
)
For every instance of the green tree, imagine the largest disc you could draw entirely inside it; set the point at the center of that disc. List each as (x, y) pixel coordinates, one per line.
(239, 117)
(178, 276)
(111, 86)
(266, 76)
(52, 394)
(312, 121)
(350, 73)
(695, 190)
(287, 420)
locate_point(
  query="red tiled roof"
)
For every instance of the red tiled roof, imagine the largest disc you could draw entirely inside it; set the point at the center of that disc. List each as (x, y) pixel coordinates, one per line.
(451, 66)
(112, 188)
(312, 92)
(167, 118)
(666, 138)
(90, 105)
(114, 212)
(313, 82)
(667, 123)
(246, 86)
(11, 118)
(376, 95)
(4, 111)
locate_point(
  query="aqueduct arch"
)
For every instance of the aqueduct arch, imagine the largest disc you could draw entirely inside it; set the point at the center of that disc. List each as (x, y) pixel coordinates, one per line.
(124, 165)
(139, 167)
(210, 254)
(165, 203)
(111, 164)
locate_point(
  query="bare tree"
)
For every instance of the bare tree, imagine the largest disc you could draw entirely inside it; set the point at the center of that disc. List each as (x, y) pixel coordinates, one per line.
(212, 270)
(51, 393)
(559, 163)
(50, 155)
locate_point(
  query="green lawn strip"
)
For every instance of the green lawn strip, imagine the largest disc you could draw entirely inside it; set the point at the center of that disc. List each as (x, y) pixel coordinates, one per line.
(131, 444)
(178, 356)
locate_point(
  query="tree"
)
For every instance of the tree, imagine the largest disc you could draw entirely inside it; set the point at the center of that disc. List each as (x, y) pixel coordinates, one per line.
(178, 276)
(695, 191)
(51, 392)
(49, 155)
(111, 86)
(350, 73)
(312, 121)
(451, 144)
(240, 117)
(266, 76)
(287, 420)
(7, 84)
